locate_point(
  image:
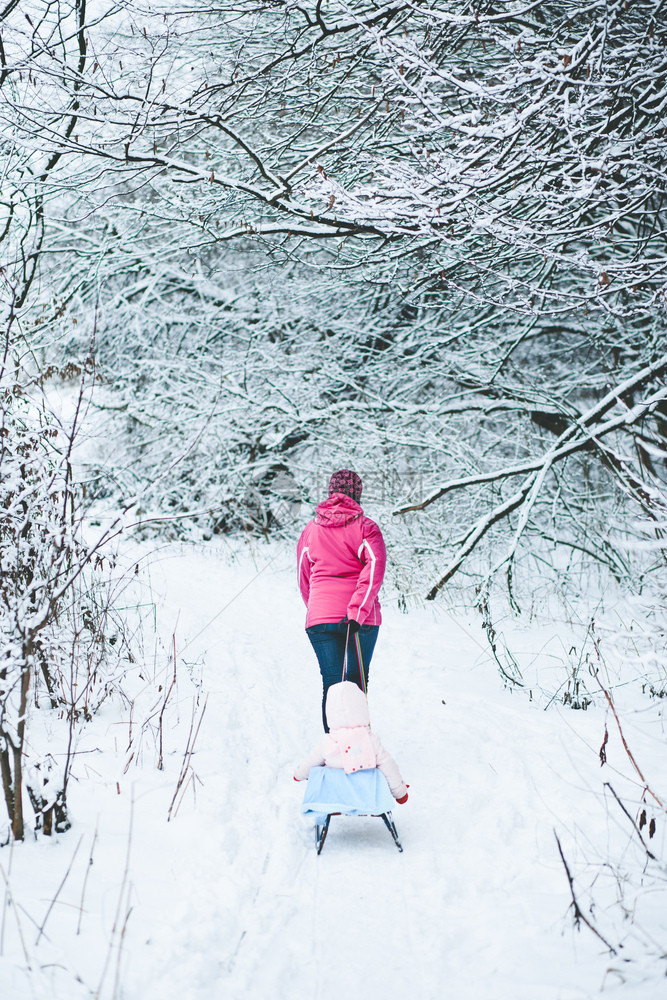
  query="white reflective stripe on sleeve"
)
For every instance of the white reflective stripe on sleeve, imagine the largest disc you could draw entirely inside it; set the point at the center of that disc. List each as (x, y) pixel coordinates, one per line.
(304, 552)
(372, 577)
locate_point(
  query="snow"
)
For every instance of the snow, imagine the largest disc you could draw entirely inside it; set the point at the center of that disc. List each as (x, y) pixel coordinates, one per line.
(229, 899)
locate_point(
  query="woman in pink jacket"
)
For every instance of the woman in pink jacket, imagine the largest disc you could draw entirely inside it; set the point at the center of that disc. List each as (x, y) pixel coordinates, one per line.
(341, 559)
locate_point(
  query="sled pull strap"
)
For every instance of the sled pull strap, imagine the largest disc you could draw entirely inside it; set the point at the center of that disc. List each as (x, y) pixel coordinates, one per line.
(360, 660)
(347, 639)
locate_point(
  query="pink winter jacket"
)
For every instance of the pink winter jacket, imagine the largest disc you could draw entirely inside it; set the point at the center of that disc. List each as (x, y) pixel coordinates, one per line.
(341, 560)
(350, 744)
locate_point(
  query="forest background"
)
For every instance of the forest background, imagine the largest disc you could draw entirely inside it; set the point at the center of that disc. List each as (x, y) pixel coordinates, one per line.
(255, 241)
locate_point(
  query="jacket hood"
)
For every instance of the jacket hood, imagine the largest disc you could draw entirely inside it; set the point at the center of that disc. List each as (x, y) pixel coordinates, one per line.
(336, 510)
(347, 706)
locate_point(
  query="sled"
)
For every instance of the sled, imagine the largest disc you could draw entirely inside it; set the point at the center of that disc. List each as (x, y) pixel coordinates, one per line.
(332, 792)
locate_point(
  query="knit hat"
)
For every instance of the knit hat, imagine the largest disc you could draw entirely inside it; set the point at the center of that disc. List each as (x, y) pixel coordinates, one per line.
(347, 482)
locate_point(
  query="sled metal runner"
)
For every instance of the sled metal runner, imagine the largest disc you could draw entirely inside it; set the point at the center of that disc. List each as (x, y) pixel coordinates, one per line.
(386, 817)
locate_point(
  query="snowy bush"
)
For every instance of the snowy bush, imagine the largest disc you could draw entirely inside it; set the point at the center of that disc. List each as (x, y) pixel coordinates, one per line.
(54, 615)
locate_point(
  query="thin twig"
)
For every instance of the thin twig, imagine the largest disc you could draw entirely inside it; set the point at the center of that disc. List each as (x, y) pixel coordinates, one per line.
(62, 883)
(85, 880)
(5, 904)
(578, 913)
(189, 781)
(120, 952)
(634, 763)
(9, 901)
(121, 894)
(189, 748)
(160, 763)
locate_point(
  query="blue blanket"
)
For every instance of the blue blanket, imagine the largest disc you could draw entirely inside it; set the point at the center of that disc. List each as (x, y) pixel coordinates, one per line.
(331, 790)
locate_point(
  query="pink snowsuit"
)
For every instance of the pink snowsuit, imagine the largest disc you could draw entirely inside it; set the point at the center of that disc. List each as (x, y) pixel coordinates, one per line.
(350, 744)
(341, 559)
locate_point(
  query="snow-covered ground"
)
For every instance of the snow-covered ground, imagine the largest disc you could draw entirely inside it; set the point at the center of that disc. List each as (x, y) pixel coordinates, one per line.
(229, 901)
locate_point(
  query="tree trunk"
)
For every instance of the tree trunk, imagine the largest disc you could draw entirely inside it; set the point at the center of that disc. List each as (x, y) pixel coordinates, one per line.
(6, 773)
(17, 818)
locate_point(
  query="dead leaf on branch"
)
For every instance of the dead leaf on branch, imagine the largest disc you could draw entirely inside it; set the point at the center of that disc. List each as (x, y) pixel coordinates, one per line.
(603, 751)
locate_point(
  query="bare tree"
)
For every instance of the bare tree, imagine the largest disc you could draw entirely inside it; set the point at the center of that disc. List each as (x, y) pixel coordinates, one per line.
(464, 209)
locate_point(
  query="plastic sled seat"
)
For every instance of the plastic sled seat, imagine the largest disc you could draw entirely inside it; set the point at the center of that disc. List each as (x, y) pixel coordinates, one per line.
(332, 792)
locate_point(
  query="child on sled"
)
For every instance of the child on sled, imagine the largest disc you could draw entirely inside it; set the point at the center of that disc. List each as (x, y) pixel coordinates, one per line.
(350, 744)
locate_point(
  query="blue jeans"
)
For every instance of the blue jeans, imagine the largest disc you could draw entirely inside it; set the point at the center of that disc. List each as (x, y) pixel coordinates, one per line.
(328, 641)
